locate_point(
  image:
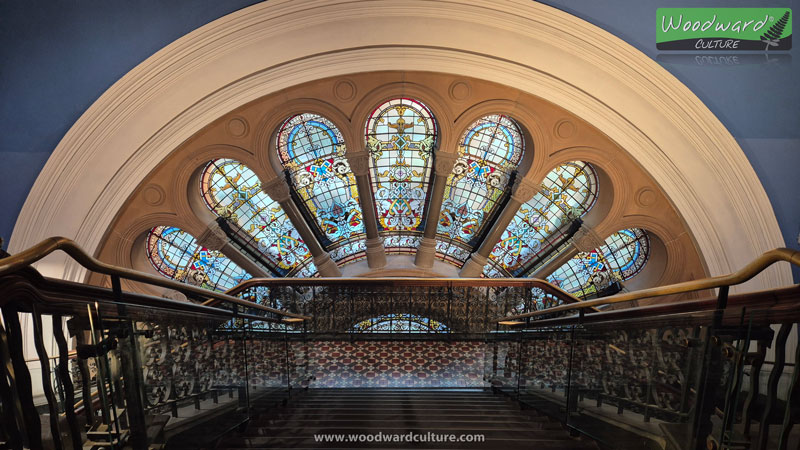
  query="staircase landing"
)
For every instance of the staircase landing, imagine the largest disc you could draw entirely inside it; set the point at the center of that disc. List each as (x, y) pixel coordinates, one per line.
(347, 418)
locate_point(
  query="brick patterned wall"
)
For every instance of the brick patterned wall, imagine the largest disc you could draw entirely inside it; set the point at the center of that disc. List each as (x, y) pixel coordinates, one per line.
(393, 363)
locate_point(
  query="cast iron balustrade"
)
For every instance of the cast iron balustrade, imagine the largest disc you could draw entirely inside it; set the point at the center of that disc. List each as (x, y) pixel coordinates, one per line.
(131, 369)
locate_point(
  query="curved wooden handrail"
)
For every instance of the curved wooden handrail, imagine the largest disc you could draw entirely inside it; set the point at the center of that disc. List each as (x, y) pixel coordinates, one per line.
(746, 273)
(407, 281)
(27, 257)
(557, 292)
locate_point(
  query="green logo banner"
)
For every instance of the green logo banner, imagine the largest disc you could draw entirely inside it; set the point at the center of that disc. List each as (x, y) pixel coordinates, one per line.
(729, 29)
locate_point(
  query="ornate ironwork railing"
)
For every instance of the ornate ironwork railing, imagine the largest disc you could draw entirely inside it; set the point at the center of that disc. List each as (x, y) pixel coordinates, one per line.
(137, 357)
(680, 363)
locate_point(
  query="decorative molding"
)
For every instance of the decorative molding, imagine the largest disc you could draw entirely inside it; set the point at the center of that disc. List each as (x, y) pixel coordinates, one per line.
(443, 163)
(213, 238)
(459, 90)
(359, 163)
(645, 197)
(586, 239)
(277, 189)
(538, 49)
(564, 129)
(154, 194)
(238, 127)
(345, 90)
(524, 190)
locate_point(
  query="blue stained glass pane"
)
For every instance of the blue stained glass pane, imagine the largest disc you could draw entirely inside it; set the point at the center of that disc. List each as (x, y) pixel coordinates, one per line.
(400, 323)
(400, 134)
(176, 255)
(233, 191)
(489, 152)
(312, 150)
(567, 191)
(623, 255)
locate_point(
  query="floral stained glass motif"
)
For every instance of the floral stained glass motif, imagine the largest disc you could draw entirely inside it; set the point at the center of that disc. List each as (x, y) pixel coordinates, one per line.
(350, 252)
(176, 254)
(312, 150)
(233, 191)
(400, 137)
(451, 252)
(489, 152)
(399, 244)
(623, 255)
(567, 192)
(400, 323)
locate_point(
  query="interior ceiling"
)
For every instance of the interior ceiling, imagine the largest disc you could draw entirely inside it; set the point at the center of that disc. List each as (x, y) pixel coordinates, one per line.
(626, 197)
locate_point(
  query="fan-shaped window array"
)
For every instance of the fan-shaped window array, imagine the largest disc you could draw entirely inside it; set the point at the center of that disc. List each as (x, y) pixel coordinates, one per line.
(232, 191)
(567, 192)
(400, 323)
(312, 150)
(176, 254)
(400, 134)
(488, 153)
(623, 255)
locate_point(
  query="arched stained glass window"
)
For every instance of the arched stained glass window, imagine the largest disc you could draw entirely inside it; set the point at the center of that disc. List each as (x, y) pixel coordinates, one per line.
(312, 150)
(400, 323)
(177, 255)
(489, 152)
(400, 137)
(233, 191)
(567, 191)
(623, 255)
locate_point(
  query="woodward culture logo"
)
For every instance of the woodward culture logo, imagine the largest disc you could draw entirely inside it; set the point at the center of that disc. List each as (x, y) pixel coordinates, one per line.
(762, 29)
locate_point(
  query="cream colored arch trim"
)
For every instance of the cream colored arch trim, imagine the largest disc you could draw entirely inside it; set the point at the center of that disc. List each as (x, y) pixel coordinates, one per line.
(530, 46)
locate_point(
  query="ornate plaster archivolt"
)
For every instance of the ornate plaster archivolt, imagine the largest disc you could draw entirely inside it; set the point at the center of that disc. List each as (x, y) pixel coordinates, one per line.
(537, 49)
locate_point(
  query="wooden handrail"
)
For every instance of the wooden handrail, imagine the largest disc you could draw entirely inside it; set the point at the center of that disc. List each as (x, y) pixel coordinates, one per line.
(27, 257)
(407, 282)
(744, 274)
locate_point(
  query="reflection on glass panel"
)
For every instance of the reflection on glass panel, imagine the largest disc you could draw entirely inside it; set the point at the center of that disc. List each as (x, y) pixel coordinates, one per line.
(400, 137)
(312, 150)
(489, 152)
(623, 255)
(400, 323)
(568, 192)
(233, 191)
(177, 255)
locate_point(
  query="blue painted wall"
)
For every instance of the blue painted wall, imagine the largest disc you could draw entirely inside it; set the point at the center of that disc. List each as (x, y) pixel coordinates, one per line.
(57, 58)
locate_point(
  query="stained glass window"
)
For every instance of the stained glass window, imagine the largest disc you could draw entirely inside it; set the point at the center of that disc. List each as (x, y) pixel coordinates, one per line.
(488, 153)
(177, 255)
(233, 191)
(400, 323)
(399, 244)
(312, 150)
(452, 252)
(400, 137)
(350, 252)
(623, 255)
(568, 192)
